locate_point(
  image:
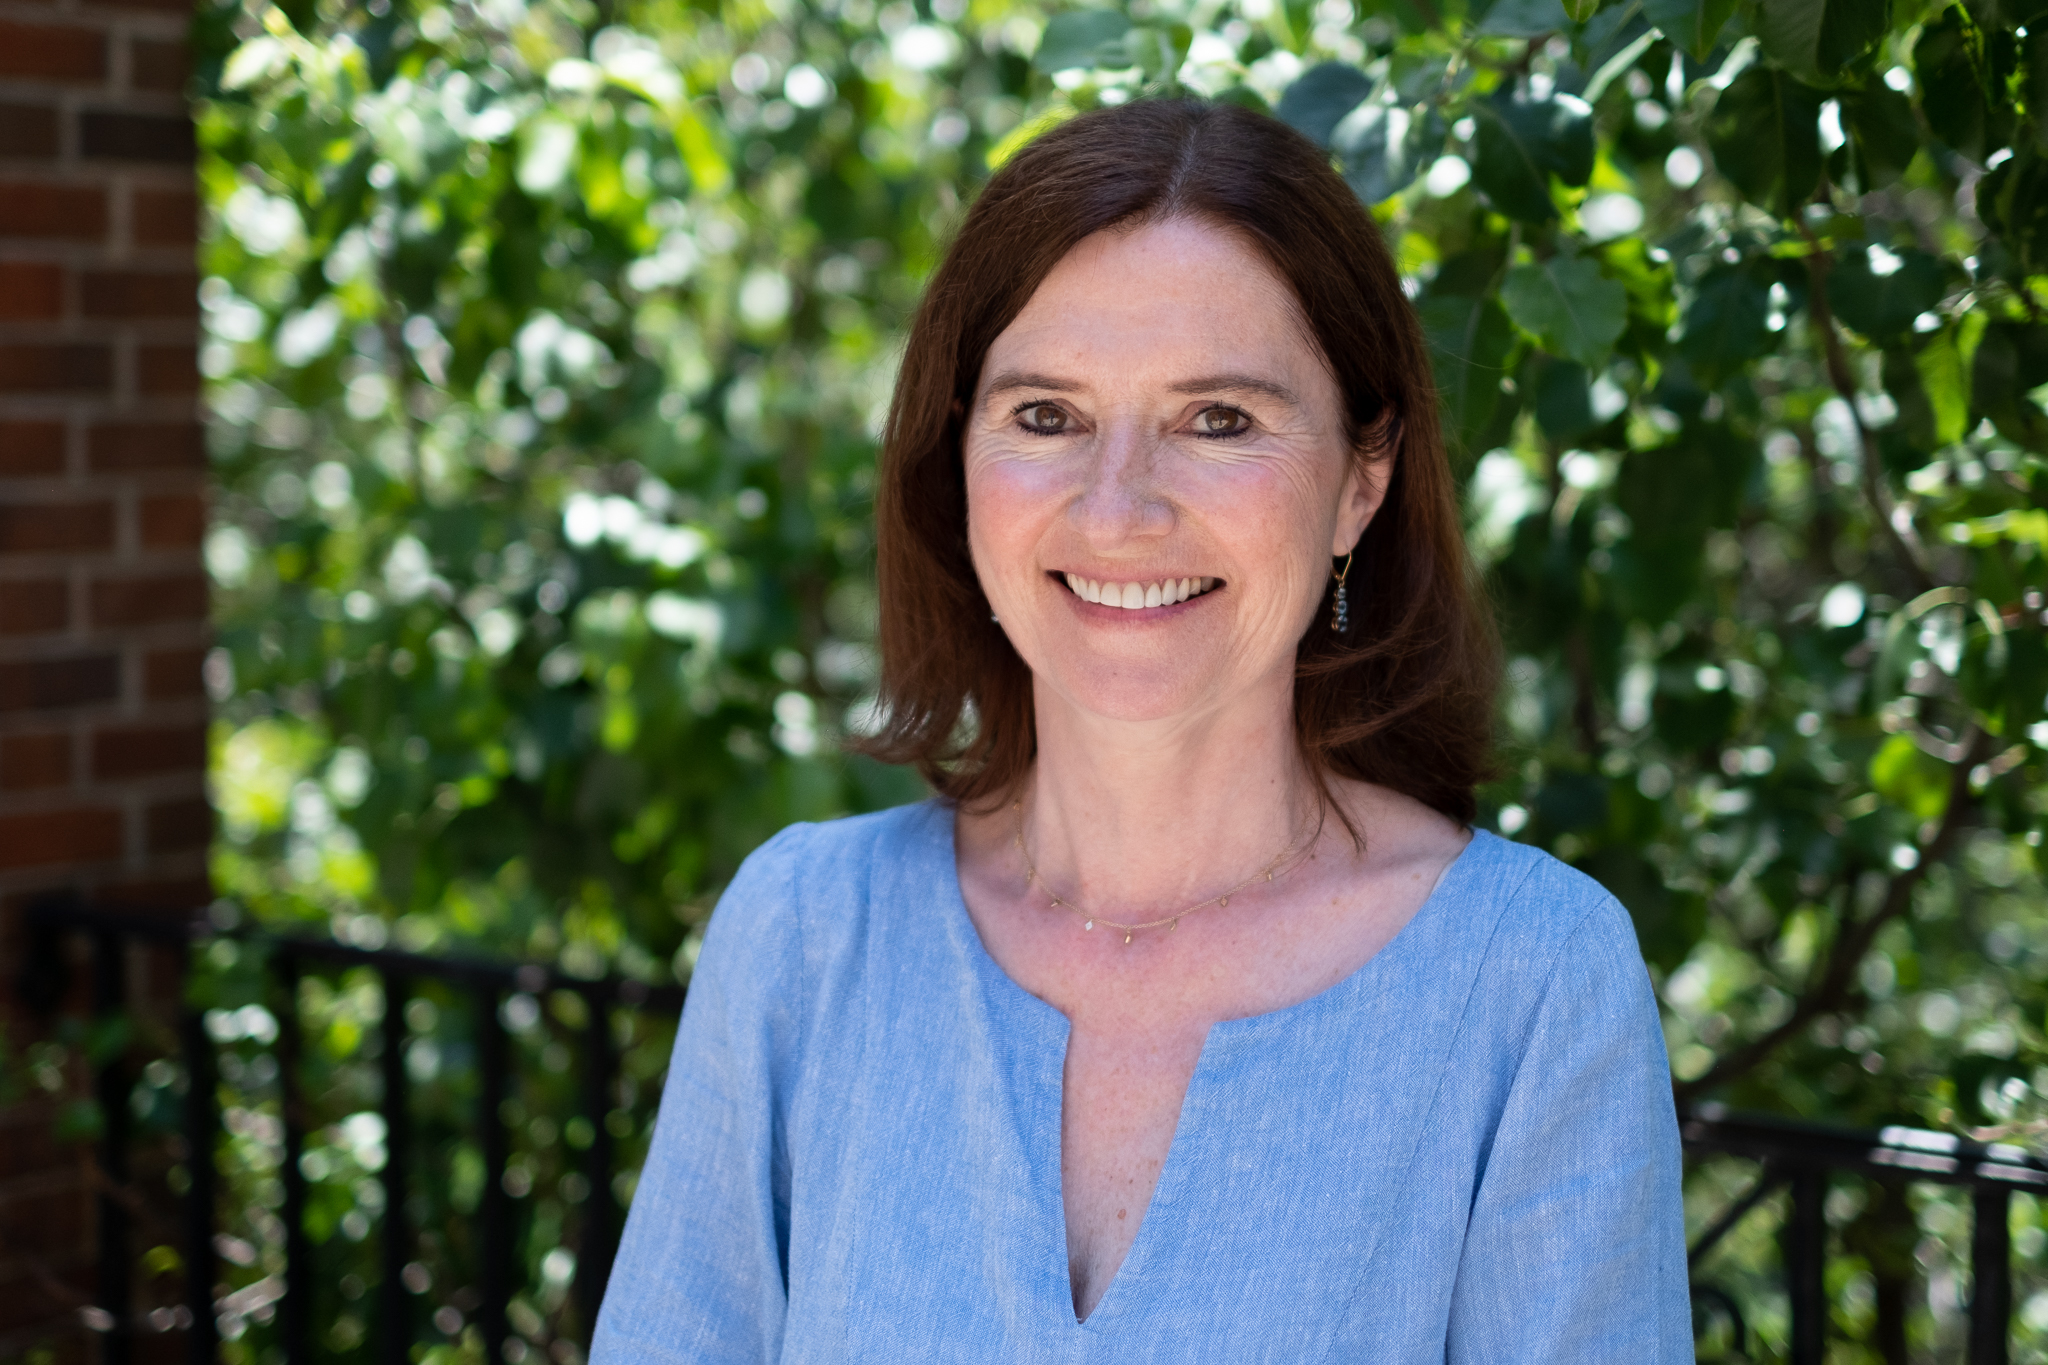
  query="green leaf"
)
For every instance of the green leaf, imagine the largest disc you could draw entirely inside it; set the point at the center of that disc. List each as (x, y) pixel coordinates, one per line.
(1576, 311)
(2012, 201)
(1564, 400)
(1077, 39)
(1944, 378)
(1469, 339)
(1320, 97)
(1386, 146)
(1520, 144)
(1764, 133)
(1728, 322)
(1879, 292)
(1882, 131)
(1695, 25)
(1959, 93)
(1908, 778)
(1525, 18)
(1816, 38)
(2011, 362)
(1579, 11)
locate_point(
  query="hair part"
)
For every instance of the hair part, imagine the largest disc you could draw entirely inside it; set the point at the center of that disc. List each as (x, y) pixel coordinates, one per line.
(1406, 700)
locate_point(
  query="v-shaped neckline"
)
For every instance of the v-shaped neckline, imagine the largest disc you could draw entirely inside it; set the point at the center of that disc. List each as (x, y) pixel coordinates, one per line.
(999, 984)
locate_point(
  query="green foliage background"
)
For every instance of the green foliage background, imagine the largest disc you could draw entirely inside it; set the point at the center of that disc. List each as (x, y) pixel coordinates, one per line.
(548, 345)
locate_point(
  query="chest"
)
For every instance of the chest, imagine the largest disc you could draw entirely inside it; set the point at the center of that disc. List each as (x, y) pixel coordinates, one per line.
(973, 1184)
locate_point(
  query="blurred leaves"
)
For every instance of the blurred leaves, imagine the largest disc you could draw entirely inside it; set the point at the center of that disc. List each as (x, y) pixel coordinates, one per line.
(548, 346)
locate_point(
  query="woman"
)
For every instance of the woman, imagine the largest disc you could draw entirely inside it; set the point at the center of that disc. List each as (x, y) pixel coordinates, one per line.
(1191, 1022)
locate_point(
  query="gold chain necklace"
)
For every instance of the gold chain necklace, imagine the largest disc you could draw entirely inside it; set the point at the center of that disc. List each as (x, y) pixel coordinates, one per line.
(1172, 921)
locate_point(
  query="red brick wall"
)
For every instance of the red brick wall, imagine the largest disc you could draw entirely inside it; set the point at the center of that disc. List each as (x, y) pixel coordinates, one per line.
(102, 599)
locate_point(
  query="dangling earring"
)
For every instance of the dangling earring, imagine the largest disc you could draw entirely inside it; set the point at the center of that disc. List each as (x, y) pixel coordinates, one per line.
(1340, 610)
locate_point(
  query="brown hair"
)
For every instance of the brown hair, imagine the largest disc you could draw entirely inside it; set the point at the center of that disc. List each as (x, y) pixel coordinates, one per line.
(1406, 700)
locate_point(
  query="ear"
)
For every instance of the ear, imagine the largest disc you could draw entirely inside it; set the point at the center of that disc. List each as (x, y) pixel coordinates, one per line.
(1366, 476)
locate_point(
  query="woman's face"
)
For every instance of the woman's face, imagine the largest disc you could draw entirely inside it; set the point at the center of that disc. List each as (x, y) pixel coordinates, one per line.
(1158, 419)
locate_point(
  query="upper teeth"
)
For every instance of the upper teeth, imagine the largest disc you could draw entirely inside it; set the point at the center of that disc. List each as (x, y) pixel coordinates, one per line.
(1132, 596)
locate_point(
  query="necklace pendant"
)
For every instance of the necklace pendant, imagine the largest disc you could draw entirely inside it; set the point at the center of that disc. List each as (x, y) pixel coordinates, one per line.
(1173, 926)
(1223, 901)
(1089, 925)
(1127, 940)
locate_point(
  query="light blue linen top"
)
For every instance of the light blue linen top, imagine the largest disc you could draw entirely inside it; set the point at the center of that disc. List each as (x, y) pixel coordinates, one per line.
(1464, 1152)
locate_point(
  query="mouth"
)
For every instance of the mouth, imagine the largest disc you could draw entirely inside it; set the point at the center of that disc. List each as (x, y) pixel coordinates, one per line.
(1136, 596)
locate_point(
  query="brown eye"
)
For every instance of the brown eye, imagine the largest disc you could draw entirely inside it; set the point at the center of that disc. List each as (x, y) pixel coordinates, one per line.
(1220, 422)
(1046, 417)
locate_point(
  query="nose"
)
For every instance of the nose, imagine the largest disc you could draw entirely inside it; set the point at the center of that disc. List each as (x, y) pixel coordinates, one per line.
(1123, 499)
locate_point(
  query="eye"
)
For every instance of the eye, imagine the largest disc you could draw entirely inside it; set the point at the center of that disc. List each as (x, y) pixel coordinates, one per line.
(1047, 419)
(1221, 422)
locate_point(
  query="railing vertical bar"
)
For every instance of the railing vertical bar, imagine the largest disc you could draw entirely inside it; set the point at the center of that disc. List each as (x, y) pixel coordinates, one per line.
(1991, 1275)
(295, 1318)
(1805, 1251)
(110, 1084)
(202, 1121)
(394, 1338)
(494, 1224)
(600, 1208)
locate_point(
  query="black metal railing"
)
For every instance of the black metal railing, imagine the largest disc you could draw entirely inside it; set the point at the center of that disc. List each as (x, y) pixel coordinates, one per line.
(488, 983)
(1801, 1157)
(1798, 1157)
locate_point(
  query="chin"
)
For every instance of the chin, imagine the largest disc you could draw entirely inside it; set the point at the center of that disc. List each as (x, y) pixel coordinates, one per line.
(1130, 690)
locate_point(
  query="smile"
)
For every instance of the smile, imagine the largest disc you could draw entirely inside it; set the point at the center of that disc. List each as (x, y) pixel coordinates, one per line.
(1135, 596)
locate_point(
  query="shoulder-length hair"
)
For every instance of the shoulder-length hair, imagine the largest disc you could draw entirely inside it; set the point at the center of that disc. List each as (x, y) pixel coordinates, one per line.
(1406, 699)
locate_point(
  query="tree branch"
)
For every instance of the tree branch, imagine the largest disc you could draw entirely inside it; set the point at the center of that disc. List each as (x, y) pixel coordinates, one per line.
(1905, 543)
(1831, 988)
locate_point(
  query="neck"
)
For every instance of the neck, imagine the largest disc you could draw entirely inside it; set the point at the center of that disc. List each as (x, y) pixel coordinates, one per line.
(1137, 819)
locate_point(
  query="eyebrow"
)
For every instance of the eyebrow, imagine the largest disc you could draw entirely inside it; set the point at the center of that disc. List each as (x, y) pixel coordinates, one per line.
(1237, 383)
(1011, 380)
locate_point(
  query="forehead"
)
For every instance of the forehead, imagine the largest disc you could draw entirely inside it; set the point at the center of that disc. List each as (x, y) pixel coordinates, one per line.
(1160, 301)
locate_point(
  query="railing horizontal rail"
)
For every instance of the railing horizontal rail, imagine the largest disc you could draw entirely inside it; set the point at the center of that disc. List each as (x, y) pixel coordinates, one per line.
(530, 977)
(1915, 1153)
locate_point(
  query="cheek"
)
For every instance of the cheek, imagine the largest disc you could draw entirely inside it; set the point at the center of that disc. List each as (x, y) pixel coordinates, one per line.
(1008, 503)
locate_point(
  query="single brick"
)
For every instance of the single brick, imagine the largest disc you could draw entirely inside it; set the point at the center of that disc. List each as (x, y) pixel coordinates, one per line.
(53, 684)
(28, 132)
(38, 606)
(146, 445)
(33, 762)
(47, 838)
(164, 217)
(30, 291)
(111, 135)
(170, 674)
(157, 66)
(46, 528)
(72, 213)
(31, 448)
(150, 600)
(139, 294)
(177, 826)
(145, 750)
(66, 368)
(173, 520)
(46, 52)
(167, 369)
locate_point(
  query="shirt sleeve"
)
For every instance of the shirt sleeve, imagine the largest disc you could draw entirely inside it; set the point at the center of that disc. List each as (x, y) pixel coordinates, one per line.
(702, 1270)
(1575, 1248)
